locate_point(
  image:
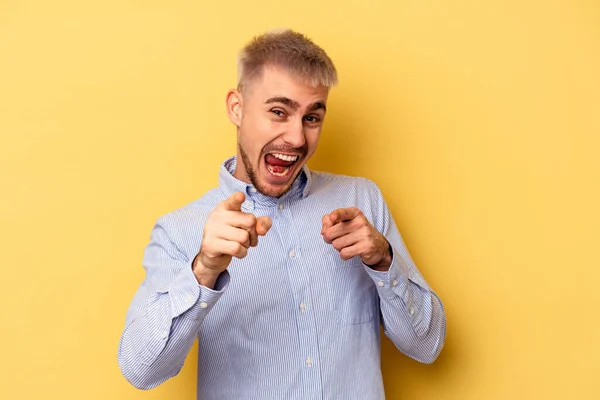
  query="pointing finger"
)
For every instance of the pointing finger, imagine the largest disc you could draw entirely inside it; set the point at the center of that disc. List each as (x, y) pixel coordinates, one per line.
(233, 202)
(344, 214)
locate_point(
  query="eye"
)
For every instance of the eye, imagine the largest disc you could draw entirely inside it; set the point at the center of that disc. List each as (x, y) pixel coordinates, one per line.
(278, 112)
(313, 119)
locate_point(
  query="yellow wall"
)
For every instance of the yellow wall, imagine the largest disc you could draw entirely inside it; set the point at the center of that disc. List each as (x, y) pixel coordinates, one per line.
(478, 119)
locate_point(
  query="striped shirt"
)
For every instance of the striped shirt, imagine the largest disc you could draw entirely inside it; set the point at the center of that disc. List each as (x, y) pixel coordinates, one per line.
(291, 320)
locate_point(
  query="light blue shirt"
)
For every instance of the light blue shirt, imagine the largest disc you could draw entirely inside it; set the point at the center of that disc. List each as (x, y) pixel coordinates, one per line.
(291, 320)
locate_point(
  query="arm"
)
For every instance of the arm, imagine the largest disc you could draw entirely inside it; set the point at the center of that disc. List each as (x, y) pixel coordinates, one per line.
(412, 315)
(165, 314)
(179, 291)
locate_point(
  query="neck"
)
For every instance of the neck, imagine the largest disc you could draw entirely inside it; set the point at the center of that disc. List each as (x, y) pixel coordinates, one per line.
(240, 170)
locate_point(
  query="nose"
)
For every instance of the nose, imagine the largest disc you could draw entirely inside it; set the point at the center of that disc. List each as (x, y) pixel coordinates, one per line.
(294, 134)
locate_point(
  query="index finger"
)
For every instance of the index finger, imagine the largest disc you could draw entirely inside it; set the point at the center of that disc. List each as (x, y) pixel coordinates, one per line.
(344, 214)
(233, 202)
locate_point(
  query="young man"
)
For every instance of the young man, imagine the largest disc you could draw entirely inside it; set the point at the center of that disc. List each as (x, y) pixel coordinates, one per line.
(284, 274)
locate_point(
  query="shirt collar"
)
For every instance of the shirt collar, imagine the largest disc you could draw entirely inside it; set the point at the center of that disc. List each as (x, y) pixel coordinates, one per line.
(230, 184)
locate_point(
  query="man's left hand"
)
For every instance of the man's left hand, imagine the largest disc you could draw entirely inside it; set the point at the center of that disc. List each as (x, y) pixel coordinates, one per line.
(350, 233)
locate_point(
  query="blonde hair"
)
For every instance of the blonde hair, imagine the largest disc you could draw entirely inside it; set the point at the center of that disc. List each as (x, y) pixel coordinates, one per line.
(288, 49)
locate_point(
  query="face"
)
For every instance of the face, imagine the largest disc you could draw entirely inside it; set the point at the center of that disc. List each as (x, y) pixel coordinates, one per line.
(279, 120)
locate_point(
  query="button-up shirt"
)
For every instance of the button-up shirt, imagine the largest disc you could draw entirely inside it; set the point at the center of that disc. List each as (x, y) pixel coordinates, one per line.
(291, 320)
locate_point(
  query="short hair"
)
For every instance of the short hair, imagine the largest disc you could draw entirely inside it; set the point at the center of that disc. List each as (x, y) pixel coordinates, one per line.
(290, 50)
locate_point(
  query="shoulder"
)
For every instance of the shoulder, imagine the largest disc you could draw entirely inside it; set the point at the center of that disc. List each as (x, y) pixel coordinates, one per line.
(339, 191)
(325, 181)
(184, 226)
(194, 210)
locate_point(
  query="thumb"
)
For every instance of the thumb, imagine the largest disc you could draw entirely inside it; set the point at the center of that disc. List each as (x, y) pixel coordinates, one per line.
(326, 222)
(263, 224)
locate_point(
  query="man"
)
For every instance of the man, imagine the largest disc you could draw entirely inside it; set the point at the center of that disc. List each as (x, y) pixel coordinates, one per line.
(284, 274)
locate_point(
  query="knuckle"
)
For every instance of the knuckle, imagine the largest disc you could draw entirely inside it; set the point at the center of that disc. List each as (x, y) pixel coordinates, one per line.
(207, 243)
(249, 221)
(237, 249)
(245, 235)
(364, 225)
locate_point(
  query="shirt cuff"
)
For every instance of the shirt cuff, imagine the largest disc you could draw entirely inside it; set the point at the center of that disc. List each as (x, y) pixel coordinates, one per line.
(186, 293)
(208, 298)
(396, 283)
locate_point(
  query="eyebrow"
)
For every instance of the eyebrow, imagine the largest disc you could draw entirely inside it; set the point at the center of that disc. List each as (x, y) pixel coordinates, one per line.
(285, 101)
(294, 105)
(316, 106)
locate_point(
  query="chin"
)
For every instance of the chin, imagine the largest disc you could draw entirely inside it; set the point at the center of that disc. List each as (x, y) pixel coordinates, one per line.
(271, 190)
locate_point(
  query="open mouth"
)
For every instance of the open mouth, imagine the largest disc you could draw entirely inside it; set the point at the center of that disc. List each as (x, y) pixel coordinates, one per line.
(280, 165)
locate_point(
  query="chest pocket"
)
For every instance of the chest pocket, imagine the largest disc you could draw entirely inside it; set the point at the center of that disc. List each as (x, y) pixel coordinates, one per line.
(352, 294)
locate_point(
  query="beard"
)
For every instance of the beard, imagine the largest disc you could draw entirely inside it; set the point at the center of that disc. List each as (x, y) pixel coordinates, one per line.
(252, 175)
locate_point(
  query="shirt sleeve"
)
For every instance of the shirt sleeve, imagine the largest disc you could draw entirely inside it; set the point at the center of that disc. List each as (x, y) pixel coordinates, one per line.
(166, 312)
(413, 316)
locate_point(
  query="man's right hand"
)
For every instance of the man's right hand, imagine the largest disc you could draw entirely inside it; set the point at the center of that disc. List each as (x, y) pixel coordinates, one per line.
(228, 233)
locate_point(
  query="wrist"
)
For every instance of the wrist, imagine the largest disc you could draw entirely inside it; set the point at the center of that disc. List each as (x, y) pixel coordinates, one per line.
(385, 262)
(205, 276)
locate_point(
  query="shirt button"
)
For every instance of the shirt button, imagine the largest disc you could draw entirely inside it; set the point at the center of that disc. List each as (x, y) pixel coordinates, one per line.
(188, 299)
(281, 206)
(292, 254)
(380, 284)
(253, 190)
(411, 311)
(164, 335)
(394, 283)
(302, 306)
(309, 362)
(203, 304)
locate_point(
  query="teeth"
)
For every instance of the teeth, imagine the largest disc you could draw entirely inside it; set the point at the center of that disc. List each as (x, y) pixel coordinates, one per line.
(284, 173)
(284, 157)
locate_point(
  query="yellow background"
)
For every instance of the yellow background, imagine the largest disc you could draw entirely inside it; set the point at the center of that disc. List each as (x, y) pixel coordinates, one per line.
(479, 120)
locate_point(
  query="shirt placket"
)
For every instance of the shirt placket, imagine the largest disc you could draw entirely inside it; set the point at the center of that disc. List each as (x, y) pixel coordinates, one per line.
(299, 280)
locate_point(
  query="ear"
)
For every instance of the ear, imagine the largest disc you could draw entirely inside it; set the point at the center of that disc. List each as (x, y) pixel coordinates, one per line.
(234, 107)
